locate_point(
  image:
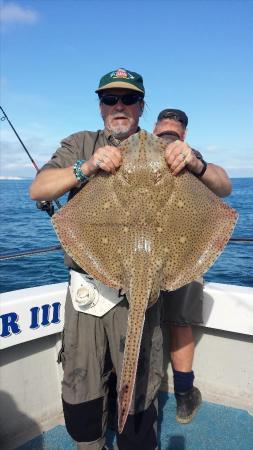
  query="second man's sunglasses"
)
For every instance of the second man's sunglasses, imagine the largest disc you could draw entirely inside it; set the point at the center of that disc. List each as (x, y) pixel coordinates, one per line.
(126, 99)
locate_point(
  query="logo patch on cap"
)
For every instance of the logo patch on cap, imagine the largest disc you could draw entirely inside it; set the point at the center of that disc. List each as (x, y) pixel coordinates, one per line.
(121, 73)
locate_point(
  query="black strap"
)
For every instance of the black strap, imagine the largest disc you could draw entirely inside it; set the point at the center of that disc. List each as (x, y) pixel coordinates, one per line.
(199, 175)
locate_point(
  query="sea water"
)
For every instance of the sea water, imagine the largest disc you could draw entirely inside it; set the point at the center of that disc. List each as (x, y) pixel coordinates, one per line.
(24, 227)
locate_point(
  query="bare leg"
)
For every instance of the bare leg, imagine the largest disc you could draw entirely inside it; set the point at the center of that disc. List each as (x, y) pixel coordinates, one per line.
(182, 347)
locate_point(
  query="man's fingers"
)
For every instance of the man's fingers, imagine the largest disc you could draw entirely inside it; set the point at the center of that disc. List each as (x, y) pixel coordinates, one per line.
(171, 152)
(178, 155)
(178, 161)
(177, 166)
(107, 158)
(176, 150)
(107, 165)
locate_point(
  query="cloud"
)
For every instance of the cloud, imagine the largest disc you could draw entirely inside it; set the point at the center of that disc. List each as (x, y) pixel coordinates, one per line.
(13, 159)
(13, 13)
(238, 157)
(18, 165)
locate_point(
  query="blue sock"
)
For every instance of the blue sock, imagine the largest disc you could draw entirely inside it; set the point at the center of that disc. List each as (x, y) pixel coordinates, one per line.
(183, 381)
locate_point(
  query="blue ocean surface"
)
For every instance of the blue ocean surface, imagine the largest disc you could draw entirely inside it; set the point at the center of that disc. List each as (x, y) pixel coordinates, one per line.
(24, 227)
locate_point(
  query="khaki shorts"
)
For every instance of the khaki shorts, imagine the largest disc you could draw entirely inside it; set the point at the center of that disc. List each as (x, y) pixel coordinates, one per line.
(183, 306)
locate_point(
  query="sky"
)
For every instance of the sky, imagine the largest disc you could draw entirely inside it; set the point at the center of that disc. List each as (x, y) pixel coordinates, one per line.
(193, 55)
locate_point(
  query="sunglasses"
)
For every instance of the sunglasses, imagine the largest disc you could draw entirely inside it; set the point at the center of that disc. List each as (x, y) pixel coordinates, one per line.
(168, 134)
(126, 99)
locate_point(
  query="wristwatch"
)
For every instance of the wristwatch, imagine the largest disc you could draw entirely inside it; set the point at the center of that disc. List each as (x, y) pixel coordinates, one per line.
(199, 175)
(80, 176)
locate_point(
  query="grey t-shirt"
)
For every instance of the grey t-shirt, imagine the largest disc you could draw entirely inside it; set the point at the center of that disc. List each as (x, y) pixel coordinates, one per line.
(80, 145)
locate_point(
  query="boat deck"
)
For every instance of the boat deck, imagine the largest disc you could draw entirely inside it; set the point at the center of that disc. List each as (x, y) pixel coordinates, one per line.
(215, 427)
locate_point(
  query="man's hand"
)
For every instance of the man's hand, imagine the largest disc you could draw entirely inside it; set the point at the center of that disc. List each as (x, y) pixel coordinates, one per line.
(179, 155)
(107, 158)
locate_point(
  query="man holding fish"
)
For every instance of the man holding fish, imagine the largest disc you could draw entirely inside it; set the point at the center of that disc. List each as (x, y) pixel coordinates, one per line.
(96, 316)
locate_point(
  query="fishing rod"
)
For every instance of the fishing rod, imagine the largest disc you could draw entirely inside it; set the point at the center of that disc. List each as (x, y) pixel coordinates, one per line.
(34, 251)
(44, 205)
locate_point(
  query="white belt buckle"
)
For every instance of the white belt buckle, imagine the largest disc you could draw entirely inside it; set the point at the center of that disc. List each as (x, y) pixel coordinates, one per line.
(90, 296)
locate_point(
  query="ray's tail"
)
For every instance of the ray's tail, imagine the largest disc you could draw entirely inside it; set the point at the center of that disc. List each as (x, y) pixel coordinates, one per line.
(138, 300)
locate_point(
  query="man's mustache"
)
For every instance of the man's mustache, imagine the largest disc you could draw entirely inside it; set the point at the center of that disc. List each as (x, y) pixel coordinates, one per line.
(120, 115)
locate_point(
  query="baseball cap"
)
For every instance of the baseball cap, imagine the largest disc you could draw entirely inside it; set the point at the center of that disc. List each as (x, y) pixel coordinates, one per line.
(174, 114)
(121, 78)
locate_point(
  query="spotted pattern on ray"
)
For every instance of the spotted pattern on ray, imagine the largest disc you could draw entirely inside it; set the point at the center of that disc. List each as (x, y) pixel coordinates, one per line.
(143, 230)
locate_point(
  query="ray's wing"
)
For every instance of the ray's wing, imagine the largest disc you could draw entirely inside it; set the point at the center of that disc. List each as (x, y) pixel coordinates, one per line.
(197, 225)
(91, 230)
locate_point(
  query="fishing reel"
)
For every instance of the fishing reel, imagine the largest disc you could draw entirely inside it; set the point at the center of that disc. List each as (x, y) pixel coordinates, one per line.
(45, 205)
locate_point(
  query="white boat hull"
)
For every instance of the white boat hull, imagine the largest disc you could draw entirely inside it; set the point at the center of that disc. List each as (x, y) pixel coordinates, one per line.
(30, 384)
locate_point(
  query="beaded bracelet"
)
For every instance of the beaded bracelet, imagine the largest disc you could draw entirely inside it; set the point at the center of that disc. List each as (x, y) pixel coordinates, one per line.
(80, 176)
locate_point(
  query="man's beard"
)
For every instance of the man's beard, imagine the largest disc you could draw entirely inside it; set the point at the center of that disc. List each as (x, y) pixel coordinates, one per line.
(120, 131)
